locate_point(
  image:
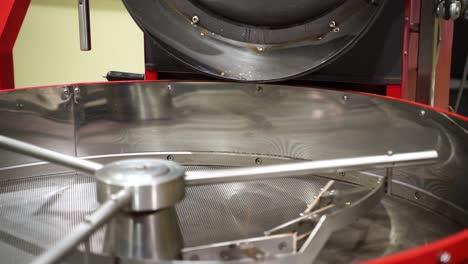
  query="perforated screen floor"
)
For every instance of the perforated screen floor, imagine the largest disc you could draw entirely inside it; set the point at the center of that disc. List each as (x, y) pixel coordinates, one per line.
(36, 212)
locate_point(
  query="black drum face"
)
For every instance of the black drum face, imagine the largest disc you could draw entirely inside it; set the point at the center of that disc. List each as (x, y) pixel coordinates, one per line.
(258, 40)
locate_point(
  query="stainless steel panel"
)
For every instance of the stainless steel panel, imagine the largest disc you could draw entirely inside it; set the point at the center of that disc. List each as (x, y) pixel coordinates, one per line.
(230, 124)
(40, 116)
(272, 120)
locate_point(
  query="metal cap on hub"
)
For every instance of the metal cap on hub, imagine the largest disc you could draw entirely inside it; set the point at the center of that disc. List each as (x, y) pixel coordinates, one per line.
(155, 184)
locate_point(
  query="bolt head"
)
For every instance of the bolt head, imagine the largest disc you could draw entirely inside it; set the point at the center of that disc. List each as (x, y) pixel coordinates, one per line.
(195, 19)
(332, 24)
(445, 258)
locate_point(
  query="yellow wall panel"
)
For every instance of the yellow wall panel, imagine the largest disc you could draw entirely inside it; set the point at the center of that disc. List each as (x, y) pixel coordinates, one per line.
(47, 50)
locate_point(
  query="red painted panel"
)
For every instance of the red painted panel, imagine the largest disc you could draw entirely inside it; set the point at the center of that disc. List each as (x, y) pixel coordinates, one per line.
(151, 75)
(394, 91)
(12, 13)
(455, 247)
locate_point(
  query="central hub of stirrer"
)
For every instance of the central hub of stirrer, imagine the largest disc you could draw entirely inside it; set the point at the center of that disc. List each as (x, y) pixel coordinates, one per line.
(148, 227)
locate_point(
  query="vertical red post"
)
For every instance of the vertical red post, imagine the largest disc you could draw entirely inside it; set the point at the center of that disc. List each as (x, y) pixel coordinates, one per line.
(151, 75)
(409, 67)
(442, 80)
(12, 13)
(394, 90)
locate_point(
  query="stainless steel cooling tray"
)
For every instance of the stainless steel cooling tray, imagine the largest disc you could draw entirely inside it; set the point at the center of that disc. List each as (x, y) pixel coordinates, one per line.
(223, 172)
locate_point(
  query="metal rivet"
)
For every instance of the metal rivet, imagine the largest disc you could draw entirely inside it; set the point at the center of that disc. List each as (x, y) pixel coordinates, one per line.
(445, 258)
(417, 195)
(76, 90)
(19, 105)
(170, 157)
(195, 19)
(390, 153)
(258, 161)
(224, 255)
(332, 24)
(345, 98)
(405, 53)
(66, 92)
(422, 112)
(342, 174)
(195, 257)
(282, 245)
(337, 29)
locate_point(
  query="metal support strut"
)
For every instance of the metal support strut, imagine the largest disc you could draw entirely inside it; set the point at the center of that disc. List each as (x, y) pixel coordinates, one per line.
(86, 228)
(133, 185)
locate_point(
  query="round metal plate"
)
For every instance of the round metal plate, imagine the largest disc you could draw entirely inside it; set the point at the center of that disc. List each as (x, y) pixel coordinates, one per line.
(255, 40)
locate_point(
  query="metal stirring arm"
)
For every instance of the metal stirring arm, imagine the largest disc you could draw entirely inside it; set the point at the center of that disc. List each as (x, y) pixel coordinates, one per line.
(325, 226)
(310, 167)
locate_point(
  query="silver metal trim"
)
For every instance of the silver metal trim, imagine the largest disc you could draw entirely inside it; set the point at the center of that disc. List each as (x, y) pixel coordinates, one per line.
(85, 229)
(49, 155)
(310, 167)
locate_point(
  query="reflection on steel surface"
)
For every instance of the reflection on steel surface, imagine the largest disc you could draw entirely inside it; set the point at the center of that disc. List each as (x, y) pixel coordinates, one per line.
(257, 248)
(233, 125)
(139, 181)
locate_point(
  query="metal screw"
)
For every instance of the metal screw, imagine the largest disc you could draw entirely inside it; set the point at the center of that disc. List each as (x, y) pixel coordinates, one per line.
(345, 98)
(224, 255)
(390, 153)
(66, 93)
(170, 157)
(76, 90)
(195, 19)
(417, 196)
(258, 161)
(332, 24)
(422, 112)
(195, 257)
(282, 245)
(445, 258)
(259, 255)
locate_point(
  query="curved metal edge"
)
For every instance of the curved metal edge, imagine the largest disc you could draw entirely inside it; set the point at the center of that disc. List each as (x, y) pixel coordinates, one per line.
(339, 219)
(183, 58)
(310, 250)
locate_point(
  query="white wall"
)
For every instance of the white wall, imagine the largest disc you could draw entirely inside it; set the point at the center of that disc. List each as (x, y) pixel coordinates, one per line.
(47, 49)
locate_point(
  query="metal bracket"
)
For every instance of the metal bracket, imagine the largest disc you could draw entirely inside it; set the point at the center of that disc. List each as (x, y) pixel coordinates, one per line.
(257, 248)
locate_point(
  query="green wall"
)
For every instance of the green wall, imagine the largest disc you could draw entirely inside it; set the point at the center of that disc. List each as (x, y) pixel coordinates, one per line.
(47, 50)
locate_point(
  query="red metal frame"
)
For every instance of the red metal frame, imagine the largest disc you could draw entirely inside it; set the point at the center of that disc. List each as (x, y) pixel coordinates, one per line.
(12, 13)
(456, 245)
(151, 75)
(394, 90)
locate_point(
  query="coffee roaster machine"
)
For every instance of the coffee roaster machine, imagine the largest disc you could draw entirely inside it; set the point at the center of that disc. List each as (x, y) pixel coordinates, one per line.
(239, 170)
